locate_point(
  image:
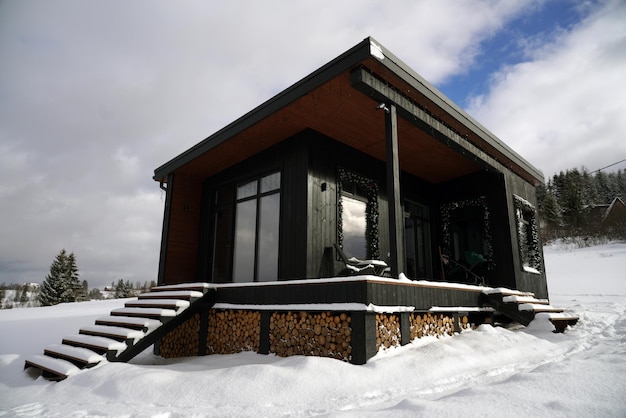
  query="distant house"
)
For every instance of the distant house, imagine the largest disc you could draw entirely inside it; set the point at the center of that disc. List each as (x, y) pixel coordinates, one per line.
(356, 210)
(608, 217)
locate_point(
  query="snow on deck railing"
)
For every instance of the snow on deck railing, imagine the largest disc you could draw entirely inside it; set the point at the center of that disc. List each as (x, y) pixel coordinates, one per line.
(369, 278)
(335, 307)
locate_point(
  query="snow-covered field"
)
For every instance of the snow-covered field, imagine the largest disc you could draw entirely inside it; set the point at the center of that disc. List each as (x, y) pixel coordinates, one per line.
(490, 372)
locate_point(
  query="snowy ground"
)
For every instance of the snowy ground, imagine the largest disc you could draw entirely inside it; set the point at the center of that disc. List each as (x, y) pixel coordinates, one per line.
(488, 372)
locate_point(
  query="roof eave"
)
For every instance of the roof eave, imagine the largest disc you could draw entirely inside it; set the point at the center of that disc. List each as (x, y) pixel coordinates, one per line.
(325, 73)
(368, 48)
(396, 65)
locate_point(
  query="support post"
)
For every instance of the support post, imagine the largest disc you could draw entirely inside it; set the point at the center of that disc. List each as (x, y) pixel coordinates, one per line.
(396, 219)
(363, 336)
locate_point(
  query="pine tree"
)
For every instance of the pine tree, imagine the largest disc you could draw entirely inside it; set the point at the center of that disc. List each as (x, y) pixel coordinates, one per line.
(24, 295)
(124, 289)
(73, 279)
(61, 283)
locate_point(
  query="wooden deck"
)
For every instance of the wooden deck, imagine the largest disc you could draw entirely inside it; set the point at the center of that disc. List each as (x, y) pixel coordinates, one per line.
(421, 295)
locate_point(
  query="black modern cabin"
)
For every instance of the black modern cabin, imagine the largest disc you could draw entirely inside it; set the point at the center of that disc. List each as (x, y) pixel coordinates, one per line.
(362, 155)
(361, 160)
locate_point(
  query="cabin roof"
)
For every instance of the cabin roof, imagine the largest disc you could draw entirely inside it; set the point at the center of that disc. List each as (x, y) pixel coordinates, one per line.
(339, 100)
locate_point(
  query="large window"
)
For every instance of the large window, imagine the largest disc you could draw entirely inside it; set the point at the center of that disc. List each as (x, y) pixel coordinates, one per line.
(255, 234)
(357, 204)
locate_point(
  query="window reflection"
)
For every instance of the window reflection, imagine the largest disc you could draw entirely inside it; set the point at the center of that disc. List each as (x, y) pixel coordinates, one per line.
(247, 190)
(256, 231)
(245, 228)
(354, 227)
(271, 182)
(269, 218)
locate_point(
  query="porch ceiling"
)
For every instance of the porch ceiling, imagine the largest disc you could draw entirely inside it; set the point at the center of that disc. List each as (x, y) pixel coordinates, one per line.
(338, 110)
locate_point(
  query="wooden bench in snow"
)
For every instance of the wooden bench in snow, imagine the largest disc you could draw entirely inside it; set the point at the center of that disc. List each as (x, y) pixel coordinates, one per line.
(100, 345)
(127, 335)
(189, 295)
(79, 356)
(151, 313)
(51, 368)
(175, 304)
(142, 324)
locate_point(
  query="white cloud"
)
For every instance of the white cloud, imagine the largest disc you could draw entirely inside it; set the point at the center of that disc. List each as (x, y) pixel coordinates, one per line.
(95, 95)
(564, 107)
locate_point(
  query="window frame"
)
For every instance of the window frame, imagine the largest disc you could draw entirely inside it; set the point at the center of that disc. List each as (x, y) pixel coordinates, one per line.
(527, 231)
(235, 199)
(366, 190)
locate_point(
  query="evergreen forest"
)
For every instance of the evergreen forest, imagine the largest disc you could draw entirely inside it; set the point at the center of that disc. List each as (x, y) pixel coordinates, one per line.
(573, 204)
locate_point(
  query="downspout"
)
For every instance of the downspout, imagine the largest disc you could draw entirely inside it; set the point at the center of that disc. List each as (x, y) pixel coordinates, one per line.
(168, 188)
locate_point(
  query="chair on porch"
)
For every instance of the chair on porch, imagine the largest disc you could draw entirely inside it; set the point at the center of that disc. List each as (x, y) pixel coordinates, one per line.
(464, 270)
(359, 267)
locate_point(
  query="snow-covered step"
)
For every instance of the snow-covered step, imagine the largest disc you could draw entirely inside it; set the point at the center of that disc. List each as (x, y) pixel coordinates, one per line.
(536, 307)
(52, 368)
(142, 324)
(175, 304)
(115, 333)
(100, 345)
(199, 287)
(561, 316)
(79, 356)
(524, 299)
(174, 294)
(151, 313)
(560, 320)
(506, 292)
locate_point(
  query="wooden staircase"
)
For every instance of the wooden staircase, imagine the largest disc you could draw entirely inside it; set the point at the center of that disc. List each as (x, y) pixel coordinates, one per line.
(124, 333)
(522, 307)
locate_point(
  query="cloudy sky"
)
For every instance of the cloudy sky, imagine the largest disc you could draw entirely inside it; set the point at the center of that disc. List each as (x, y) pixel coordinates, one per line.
(95, 95)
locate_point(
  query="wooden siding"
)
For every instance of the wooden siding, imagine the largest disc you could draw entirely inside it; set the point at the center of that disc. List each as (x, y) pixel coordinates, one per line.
(525, 281)
(184, 226)
(326, 157)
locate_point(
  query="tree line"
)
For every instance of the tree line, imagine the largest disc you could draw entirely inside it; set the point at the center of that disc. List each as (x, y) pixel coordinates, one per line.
(62, 284)
(570, 203)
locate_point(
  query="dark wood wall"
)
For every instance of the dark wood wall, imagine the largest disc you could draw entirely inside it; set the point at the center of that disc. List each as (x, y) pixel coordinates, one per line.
(325, 158)
(530, 282)
(184, 225)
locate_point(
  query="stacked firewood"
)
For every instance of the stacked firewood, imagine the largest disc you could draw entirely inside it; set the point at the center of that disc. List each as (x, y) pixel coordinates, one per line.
(312, 334)
(233, 331)
(182, 341)
(434, 325)
(387, 330)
